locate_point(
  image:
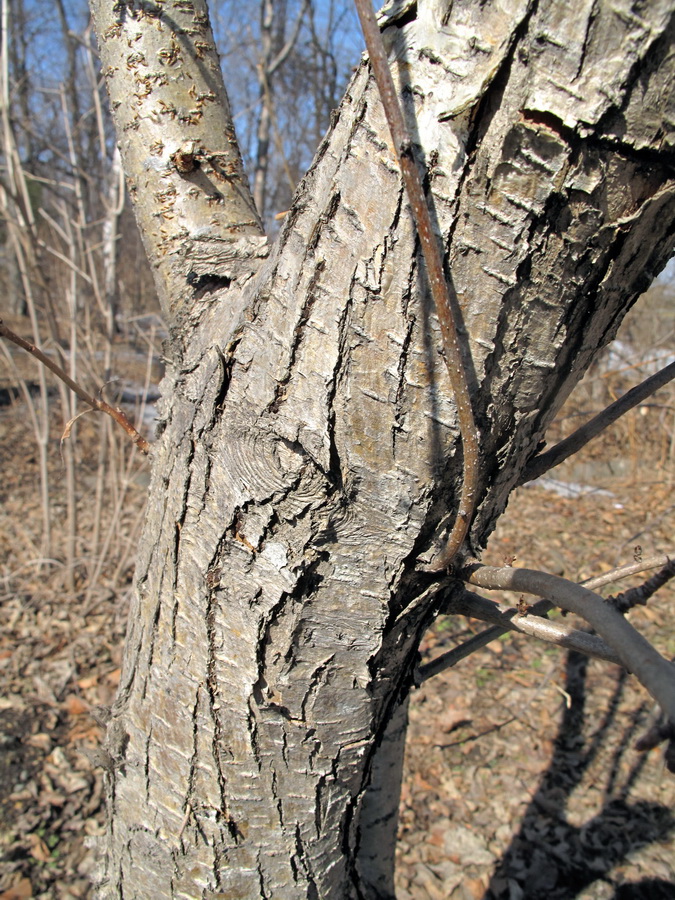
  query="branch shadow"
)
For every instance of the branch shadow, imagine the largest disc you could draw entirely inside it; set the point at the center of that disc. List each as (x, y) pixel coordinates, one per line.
(554, 859)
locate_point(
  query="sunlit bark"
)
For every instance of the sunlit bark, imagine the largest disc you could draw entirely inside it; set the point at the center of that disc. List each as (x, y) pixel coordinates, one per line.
(308, 466)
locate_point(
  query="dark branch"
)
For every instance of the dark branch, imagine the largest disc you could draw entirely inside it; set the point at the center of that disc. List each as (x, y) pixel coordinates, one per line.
(640, 594)
(604, 419)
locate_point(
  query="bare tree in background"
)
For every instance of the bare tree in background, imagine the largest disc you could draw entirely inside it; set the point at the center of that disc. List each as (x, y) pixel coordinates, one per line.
(310, 462)
(62, 210)
(276, 48)
(288, 62)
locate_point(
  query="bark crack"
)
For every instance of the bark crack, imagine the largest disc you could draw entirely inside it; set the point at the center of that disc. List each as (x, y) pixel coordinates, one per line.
(316, 679)
(300, 862)
(190, 788)
(335, 472)
(298, 336)
(215, 702)
(146, 762)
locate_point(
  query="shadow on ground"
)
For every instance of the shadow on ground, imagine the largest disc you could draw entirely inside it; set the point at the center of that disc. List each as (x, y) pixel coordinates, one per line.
(554, 859)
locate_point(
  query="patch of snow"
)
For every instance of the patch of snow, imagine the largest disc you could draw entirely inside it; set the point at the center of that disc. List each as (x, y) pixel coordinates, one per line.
(568, 489)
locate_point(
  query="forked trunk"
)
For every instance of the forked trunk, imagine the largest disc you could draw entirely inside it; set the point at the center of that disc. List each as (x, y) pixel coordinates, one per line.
(309, 459)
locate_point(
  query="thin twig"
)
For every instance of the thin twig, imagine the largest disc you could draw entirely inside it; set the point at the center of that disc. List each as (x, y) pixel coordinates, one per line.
(531, 624)
(94, 402)
(649, 562)
(597, 424)
(283, 54)
(478, 641)
(635, 652)
(437, 281)
(451, 657)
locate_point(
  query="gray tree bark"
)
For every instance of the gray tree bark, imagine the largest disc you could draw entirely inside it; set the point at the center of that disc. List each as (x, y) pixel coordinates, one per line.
(309, 461)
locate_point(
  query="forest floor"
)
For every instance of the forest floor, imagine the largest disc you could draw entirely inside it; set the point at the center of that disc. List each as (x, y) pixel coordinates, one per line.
(521, 778)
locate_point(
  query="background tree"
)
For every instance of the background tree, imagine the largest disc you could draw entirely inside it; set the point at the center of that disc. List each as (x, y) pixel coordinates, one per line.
(310, 461)
(292, 59)
(63, 216)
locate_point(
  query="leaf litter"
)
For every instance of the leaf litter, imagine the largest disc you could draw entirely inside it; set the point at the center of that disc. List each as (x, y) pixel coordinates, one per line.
(521, 781)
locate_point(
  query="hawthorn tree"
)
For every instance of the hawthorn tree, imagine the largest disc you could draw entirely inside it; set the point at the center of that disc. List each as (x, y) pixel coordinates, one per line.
(311, 462)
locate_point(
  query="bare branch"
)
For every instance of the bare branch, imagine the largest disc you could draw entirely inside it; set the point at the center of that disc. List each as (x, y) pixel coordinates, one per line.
(94, 402)
(597, 424)
(640, 594)
(437, 281)
(531, 623)
(282, 55)
(506, 620)
(649, 562)
(654, 672)
(457, 654)
(478, 641)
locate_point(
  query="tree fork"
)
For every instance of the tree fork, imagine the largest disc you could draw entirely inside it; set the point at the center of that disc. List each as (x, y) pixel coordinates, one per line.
(300, 480)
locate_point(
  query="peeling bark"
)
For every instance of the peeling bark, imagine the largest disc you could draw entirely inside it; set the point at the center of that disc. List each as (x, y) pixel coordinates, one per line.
(308, 467)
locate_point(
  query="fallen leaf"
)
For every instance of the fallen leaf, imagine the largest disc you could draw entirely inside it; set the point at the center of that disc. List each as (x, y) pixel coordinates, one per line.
(113, 677)
(20, 891)
(38, 849)
(41, 740)
(74, 705)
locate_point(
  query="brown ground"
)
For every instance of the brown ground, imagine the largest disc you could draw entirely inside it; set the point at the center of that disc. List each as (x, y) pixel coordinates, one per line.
(521, 777)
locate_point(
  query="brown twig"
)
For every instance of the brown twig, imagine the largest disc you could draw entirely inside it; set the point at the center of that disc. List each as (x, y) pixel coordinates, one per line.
(437, 281)
(597, 424)
(94, 402)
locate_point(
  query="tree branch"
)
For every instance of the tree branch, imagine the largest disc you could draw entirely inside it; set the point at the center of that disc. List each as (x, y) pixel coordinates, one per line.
(534, 624)
(457, 654)
(578, 439)
(477, 607)
(478, 641)
(94, 402)
(640, 594)
(649, 562)
(178, 143)
(282, 55)
(437, 281)
(636, 654)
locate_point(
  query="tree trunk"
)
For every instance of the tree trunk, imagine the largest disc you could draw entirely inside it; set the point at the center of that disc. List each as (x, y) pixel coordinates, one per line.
(309, 461)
